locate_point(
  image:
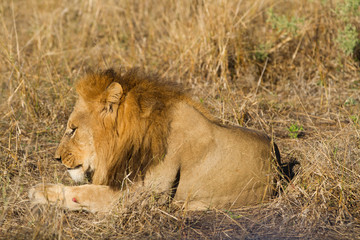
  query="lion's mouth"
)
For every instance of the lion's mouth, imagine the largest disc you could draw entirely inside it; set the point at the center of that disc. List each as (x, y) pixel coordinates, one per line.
(77, 173)
(74, 168)
(88, 173)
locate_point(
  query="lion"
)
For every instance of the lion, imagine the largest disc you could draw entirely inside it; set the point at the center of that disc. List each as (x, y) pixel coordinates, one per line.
(136, 127)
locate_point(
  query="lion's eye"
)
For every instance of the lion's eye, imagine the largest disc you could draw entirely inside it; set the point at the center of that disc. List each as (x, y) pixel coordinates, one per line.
(72, 131)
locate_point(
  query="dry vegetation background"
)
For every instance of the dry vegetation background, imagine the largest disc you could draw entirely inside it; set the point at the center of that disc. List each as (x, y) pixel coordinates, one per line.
(287, 68)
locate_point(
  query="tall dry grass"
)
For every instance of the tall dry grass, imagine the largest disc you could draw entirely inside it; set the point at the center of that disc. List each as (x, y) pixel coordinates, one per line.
(251, 68)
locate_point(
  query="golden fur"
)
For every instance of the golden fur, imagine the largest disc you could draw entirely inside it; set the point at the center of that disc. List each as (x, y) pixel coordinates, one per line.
(143, 126)
(140, 128)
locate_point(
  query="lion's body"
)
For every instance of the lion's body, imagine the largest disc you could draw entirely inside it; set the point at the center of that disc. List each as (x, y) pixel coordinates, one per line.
(147, 131)
(217, 166)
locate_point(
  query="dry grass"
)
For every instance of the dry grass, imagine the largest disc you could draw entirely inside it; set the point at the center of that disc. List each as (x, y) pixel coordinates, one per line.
(245, 70)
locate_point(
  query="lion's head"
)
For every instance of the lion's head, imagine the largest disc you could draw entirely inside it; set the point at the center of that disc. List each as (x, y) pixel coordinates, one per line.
(76, 150)
(118, 128)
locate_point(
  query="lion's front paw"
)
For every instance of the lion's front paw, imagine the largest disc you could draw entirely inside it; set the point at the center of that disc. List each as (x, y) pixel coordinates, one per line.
(46, 193)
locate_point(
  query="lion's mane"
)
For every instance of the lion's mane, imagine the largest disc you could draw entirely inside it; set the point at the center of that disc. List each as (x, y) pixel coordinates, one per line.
(143, 123)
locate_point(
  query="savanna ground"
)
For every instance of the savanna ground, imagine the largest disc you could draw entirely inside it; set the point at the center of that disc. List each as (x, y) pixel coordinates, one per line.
(287, 68)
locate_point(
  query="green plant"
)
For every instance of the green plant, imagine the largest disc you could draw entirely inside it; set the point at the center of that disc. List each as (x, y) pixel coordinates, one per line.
(294, 130)
(282, 24)
(350, 102)
(348, 9)
(262, 52)
(348, 39)
(355, 119)
(233, 215)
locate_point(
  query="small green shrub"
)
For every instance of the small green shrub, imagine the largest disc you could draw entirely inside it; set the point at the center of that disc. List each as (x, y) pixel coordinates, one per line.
(348, 39)
(262, 52)
(295, 130)
(350, 102)
(233, 215)
(281, 23)
(348, 9)
(355, 119)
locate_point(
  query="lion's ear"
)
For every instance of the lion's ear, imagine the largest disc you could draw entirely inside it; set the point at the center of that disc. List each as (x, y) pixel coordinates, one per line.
(113, 95)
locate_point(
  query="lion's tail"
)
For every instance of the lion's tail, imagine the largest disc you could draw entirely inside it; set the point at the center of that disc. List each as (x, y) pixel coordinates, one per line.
(286, 170)
(277, 155)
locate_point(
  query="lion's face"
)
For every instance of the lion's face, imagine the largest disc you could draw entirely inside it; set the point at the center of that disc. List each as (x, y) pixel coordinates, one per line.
(76, 150)
(88, 137)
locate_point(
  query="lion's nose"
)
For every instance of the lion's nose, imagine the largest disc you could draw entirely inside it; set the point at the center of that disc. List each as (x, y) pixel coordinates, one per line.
(57, 158)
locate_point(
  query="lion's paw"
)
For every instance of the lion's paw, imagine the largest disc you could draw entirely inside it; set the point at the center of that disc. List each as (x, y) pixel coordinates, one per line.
(46, 193)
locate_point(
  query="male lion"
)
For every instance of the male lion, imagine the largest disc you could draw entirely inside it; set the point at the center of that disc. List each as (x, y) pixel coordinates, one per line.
(135, 127)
